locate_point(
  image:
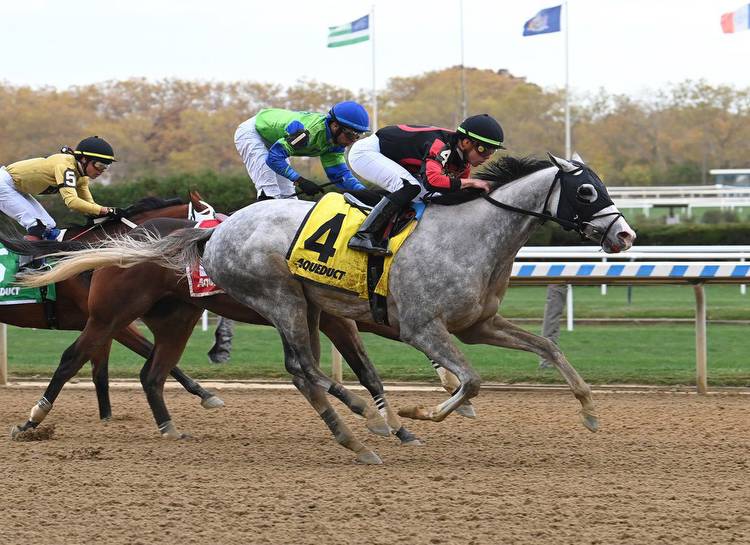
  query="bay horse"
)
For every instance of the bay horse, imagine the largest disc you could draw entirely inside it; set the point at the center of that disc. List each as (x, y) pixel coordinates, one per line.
(432, 294)
(70, 310)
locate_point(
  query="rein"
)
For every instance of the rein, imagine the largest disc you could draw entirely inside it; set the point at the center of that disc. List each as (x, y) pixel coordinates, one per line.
(98, 224)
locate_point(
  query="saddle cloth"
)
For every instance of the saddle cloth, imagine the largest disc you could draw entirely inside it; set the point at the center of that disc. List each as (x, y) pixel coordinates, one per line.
(319, 251)
(198, 281)
(11, 294)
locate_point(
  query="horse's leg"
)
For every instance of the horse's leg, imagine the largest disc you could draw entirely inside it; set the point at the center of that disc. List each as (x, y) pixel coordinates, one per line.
(71, 362)
(451, 383)
(100, 378)
(435, 342)
(312, 371)
(172, 329)
(316, 397)
(209, 400)
(345, 337)
(500, 332)
(341, 432)
(131, 338)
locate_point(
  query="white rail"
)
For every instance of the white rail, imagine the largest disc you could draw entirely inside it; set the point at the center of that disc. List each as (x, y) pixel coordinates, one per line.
(690, 265)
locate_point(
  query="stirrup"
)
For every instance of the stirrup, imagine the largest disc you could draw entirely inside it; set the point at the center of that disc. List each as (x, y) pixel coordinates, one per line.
(356, 203)
(366, 244)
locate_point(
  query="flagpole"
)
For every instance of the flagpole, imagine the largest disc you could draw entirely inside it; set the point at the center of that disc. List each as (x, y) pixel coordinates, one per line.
(567, 83)
(463, 71)
(374, 87)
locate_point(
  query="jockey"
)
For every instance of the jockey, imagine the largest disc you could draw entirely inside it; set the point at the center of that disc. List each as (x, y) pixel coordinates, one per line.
(412, 161)
(267, 141)
(67, 173)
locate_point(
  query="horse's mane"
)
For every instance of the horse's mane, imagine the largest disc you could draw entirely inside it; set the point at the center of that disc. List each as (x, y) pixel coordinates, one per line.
(498, 172)
(507, 169)
(150, 203)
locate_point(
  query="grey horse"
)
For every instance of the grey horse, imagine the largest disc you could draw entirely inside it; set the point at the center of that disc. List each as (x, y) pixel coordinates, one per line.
(449, 277)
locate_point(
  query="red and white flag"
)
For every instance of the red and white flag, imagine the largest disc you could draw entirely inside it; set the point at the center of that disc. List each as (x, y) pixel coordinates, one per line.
(736, 21)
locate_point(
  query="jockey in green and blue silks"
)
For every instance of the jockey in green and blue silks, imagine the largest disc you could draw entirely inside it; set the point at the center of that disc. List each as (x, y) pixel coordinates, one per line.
(268, 140)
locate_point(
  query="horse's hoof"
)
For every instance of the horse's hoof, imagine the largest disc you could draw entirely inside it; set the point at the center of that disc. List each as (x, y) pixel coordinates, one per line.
(106, 419)
(14, 431)
(368, 457)
(213, 402)
(591, 422)
(466, 410)
(418, 412)
(377, 425)
(407, 438)
(175, 435)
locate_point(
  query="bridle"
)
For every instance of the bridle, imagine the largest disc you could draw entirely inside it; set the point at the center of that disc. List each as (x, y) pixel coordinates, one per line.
(579, 222)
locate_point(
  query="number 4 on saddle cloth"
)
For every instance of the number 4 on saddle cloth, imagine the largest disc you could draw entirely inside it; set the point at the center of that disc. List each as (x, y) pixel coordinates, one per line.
(10, 294)
(319, 252)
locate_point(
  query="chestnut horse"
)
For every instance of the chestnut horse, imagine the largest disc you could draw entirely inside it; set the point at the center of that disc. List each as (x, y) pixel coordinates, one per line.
(70, 310)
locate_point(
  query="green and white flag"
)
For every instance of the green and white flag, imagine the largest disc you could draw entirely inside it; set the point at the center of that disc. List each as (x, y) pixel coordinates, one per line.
(350, 33)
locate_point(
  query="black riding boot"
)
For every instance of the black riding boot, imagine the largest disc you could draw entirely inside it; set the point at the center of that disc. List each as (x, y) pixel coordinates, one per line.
(369, 237)
(34, 233)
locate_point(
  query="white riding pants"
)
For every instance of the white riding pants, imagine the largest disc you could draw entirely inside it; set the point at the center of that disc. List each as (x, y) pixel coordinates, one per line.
(367, 162)
(254, 153)
(22, 207)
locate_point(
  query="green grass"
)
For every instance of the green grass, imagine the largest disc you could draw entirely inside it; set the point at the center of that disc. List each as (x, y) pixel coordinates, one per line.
(724, 302)
(647, 354)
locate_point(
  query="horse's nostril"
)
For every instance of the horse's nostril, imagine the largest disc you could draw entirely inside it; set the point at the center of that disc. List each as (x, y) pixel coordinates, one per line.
(625, 237)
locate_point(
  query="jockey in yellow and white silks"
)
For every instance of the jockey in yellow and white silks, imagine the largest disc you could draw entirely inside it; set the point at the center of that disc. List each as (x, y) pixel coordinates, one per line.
(67, 173)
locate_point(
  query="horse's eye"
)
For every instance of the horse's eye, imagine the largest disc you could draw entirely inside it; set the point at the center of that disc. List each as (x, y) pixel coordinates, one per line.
(586, 193)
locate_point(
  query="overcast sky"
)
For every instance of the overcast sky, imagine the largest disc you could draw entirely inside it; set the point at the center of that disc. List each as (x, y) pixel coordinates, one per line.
(622, 46)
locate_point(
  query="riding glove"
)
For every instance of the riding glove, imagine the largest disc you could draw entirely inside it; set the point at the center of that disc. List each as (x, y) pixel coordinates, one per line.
(115, 213)
(308, 187)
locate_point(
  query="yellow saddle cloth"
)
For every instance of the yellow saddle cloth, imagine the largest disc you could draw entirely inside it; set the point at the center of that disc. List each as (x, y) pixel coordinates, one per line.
(319, 252)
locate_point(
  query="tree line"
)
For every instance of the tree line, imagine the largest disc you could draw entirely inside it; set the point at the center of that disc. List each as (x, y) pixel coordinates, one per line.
(176, 127)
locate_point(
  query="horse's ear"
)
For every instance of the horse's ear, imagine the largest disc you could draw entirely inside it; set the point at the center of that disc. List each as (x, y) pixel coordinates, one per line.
(195, 197)
(562, 164)
(576, 157)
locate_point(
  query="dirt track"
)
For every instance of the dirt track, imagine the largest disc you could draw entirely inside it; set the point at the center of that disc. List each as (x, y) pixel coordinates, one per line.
(663, 469)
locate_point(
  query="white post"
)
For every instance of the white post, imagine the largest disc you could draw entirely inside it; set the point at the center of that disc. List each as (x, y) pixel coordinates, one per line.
(568, 150)
(3, 354)
(374, 85)
(604, 286)
(463, 70)
(569, 300)
(337, 372)
(701, 358)
(743, 287)
(204, 321)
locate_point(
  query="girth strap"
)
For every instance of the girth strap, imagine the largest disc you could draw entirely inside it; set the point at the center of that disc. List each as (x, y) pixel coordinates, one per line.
(50, 308)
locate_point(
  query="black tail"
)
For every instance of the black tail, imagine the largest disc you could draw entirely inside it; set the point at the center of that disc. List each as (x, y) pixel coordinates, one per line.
(37, 248)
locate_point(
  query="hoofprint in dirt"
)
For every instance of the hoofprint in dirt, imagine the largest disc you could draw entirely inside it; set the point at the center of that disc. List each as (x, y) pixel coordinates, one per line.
(664, 469)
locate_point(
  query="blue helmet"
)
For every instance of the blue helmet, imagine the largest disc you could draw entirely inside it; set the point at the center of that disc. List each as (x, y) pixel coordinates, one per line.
(352, 115)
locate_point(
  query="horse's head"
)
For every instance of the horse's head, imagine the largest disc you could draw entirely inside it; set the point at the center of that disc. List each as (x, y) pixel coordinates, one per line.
(583, 203)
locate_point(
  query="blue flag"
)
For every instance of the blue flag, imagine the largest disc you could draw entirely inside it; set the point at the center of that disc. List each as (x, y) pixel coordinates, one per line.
(547, 20)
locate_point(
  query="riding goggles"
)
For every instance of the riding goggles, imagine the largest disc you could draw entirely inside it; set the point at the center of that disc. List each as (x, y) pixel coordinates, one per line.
(100, 166)
(483, 150)
(351, 134)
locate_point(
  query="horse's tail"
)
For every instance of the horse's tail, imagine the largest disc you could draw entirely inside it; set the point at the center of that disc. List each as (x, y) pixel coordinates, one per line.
(36, 248)
(175, 251)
